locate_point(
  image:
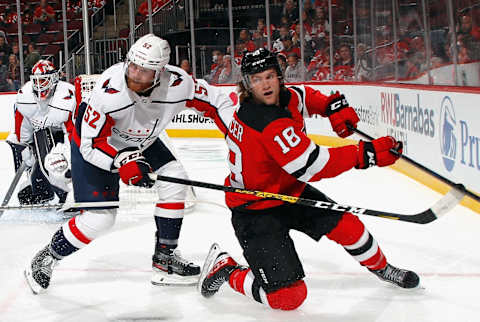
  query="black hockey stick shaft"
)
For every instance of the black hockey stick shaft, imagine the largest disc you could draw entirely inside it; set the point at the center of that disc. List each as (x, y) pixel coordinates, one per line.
(452, 184)
(13, 185)
(441, 207)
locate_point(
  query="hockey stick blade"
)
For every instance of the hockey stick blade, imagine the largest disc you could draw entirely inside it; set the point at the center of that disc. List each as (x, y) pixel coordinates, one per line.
(460, 187)
(441, 207)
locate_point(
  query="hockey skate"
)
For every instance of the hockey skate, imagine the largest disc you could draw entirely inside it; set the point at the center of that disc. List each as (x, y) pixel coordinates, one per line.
(400, 277)
(172, 269)
(216, 270)
(39, 272)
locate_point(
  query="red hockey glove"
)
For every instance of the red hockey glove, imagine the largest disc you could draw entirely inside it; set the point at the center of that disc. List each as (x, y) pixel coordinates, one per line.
(340, 114)
(377, 152)
(133, 168)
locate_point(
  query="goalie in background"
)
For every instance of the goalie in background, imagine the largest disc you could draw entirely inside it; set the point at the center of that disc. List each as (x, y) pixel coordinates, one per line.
(271, 120)
(116, 136)
(43, 123)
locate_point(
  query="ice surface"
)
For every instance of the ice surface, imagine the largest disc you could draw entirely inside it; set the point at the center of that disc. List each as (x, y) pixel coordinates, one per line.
(110, 279)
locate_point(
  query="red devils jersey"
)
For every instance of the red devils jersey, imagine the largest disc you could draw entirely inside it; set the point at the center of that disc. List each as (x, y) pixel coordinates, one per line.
(269, 150)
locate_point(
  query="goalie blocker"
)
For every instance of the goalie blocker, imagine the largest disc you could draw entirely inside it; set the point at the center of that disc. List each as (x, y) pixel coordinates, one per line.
(40, 188)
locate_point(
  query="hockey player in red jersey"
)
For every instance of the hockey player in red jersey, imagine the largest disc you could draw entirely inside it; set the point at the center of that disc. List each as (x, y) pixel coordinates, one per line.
(269, 151)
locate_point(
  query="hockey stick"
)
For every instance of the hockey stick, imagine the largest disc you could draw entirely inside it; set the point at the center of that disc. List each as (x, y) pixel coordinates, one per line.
(440, 208)
(80, 205)
(12, 187)
(420, 166)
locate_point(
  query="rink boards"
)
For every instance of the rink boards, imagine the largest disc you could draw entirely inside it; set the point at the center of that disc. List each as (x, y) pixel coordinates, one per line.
(440, 126)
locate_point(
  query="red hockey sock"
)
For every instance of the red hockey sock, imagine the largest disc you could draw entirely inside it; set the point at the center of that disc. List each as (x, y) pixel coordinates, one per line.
(237, 280)
(358, 242)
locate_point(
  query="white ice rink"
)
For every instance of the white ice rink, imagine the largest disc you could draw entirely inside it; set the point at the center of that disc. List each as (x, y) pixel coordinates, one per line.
(109, 280)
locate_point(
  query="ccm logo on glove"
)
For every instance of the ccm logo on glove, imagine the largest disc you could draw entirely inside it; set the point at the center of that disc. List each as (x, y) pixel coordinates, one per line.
(340, 114)
(133, 168)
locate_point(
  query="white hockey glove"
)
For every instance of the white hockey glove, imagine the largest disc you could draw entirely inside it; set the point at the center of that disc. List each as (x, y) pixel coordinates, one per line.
(57, 163)
(28, 157)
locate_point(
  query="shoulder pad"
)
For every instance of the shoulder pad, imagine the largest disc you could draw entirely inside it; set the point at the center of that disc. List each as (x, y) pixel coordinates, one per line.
(111, 88)
(64, 97)
(25, 94)
(180, 81)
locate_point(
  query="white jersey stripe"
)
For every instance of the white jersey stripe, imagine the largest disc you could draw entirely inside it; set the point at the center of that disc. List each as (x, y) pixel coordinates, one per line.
(301, 161)
(317, 165)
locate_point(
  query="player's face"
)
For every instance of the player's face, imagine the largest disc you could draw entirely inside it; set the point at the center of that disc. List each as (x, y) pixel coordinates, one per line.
(266, 87)
(139, 78)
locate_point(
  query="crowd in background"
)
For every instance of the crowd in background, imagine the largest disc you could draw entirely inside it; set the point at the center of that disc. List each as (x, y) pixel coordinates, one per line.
(41, 13)
(374, 58)
(361, 63)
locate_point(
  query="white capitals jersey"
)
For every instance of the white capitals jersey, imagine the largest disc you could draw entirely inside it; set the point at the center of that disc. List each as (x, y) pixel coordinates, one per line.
(32, 114)
(116, 117)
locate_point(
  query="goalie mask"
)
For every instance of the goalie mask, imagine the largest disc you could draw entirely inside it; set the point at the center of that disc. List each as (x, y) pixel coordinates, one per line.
(148, 53)
(256, 62)
(44, 79)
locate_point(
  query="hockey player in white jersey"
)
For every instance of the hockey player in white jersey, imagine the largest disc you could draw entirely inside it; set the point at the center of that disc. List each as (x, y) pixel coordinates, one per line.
(116, 136)
(43, 123)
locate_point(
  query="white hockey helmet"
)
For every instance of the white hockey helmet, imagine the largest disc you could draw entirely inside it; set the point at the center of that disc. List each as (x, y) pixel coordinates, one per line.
(44, 78)
(150, 52)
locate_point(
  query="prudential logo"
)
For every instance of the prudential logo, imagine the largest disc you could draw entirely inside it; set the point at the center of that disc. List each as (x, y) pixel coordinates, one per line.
(448, 140)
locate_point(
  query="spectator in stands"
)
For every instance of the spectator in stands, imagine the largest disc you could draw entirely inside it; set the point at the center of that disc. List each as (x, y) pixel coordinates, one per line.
(466, 27)
(320, 26)
(288, 47)
(13, 74)
(44, 13)
(185, 65)
(32, 57)
(307, 25)
(216, 67)
(74, 6)
(5, 49)
(321, 69)
(295, 71)
(262, 28)
(15, 50)
(156, 4)
(308, 7)
(27, 17)
(4, 86)
(362, 71)
(282, 61)
(95, 5)
(345, 56)
(290, 10)
(283, 31)
(230, 73)
(10, 15)
(244, 42)
(259, 40)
